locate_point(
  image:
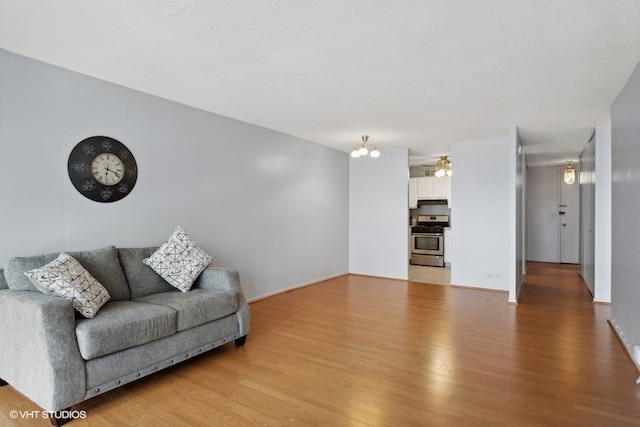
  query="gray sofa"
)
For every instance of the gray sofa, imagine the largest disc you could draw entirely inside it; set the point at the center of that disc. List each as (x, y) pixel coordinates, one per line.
(57, 358)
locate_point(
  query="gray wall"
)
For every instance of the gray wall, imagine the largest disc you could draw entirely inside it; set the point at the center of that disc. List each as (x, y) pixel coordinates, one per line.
(520, 218)
(595, 214)
(625, 211)
(272, 205)
(587, 183)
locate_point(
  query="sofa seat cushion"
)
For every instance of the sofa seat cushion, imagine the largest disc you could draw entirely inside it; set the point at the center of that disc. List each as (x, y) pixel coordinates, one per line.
(123, 324)
(197, 306)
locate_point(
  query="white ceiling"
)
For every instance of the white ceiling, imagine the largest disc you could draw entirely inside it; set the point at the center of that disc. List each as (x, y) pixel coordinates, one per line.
(414, 73)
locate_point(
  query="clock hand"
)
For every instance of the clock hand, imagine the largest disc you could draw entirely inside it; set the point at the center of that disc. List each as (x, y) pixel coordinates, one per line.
(113, 172)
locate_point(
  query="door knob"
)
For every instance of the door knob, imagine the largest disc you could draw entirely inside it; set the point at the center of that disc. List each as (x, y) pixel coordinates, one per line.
(564, 224)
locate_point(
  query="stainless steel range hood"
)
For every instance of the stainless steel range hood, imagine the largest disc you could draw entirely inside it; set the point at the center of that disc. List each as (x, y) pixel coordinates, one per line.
(432, 202)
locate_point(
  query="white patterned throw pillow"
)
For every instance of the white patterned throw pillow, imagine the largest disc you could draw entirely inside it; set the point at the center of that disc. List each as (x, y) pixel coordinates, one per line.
(179, 260)
(66, 277)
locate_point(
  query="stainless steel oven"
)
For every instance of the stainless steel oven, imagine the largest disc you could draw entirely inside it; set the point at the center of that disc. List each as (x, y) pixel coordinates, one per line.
(427, 240)
(427, 249)
(427, 243)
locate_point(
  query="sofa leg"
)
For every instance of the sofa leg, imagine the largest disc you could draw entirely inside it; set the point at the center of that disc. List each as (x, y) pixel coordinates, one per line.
(59, 421)
(3, 382)
(240, 341)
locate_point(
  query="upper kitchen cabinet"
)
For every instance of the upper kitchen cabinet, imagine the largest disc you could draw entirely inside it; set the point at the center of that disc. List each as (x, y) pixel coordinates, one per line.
(413, 193)
(441, 187)
(429, 188)
(425, 187)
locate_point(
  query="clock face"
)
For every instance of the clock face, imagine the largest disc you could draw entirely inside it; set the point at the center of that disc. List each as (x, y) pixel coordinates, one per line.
(102, 169)
(107, 169)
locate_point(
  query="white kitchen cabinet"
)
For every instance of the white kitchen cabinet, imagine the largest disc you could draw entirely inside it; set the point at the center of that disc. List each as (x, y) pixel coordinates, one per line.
(441, 187)
(413, 193)
(430, 188)
(425, 187)
(447, 247)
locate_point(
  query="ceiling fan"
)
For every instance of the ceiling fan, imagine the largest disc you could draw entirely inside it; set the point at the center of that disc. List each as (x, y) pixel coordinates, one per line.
(440, 169)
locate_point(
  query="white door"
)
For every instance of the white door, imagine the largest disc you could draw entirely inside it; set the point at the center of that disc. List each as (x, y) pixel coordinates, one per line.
(569, 219)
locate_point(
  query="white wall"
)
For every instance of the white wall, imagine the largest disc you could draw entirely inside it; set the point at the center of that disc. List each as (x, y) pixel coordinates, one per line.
(272, 205)
(602, 272)
(625, 211)
(379, 214)
(484, 193)
(542, 215)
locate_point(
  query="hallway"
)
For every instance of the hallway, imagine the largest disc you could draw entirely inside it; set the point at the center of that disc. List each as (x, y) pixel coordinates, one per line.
(577, 352)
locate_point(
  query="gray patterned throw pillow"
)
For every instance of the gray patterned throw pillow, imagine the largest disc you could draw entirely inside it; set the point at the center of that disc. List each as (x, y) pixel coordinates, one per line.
(66, 277)
(179, 260)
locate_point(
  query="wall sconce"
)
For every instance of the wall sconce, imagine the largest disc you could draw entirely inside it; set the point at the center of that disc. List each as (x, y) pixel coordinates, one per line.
(569, 174)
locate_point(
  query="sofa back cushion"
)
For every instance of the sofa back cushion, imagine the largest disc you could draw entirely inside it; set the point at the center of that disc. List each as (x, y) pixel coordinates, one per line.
(103, 264)
(141, 278)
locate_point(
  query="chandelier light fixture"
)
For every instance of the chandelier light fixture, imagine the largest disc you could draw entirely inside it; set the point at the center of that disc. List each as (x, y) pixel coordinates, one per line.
(443, 167)
(569, 173)
(363, 149)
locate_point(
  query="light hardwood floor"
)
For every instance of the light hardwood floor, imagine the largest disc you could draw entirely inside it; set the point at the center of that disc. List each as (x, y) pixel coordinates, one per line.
(362, 351)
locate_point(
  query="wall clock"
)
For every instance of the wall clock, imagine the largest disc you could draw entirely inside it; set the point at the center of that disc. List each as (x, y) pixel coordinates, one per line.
(102, 169)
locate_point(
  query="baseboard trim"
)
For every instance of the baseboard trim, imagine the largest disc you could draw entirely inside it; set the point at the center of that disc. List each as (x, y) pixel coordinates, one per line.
(379, 277)
(518, 292)
(481, 288)
(623, 341)
(291, 288)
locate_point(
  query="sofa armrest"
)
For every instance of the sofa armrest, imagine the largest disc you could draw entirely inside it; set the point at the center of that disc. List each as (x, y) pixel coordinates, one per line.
(39, 353)
(224, 279)
(220, 279)
(3, 281)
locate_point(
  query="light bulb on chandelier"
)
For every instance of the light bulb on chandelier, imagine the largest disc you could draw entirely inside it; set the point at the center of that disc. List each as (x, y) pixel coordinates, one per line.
(443, 167)
(363, 149)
